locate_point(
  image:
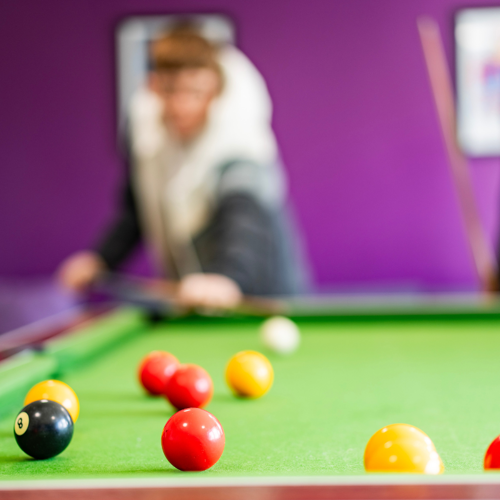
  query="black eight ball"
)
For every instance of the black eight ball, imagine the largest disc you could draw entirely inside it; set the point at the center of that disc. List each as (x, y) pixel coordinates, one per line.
(43, 429)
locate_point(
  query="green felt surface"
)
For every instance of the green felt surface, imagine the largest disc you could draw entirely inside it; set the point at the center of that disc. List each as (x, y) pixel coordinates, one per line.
(347, 380)
(78, 347)
(19, 373)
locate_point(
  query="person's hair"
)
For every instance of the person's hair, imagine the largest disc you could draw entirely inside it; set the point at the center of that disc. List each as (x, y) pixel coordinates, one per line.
(183, 48)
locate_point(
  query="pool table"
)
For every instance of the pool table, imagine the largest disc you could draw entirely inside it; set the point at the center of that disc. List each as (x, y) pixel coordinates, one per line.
(361, 365)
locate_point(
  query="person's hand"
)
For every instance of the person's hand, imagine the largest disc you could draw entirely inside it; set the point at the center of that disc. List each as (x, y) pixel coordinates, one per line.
(213, 291)
(79, 270)
(492, 285)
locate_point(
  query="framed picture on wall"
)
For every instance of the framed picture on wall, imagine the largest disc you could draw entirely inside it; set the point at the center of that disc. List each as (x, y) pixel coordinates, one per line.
(134, 35)
(477, 38)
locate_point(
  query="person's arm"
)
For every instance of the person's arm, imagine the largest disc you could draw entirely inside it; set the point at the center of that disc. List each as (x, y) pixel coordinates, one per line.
(240, 244)
(123, 234)
(79, 270)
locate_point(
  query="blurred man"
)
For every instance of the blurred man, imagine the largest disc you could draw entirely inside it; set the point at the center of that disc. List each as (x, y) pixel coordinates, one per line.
(205, 188)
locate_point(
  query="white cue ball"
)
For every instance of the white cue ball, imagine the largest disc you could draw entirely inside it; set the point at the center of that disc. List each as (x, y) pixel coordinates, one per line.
(280, 334)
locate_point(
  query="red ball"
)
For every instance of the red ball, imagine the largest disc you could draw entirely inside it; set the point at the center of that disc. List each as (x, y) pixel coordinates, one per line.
(189, 387)
(155, 371)
(492, 457)
(193, 440)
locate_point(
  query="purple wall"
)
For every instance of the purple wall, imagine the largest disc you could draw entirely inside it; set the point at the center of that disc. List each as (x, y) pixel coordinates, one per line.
(353, 113)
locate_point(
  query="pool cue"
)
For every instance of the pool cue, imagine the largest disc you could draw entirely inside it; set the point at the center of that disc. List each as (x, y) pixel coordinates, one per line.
(158, 295)
(482, 252)
(154, 296)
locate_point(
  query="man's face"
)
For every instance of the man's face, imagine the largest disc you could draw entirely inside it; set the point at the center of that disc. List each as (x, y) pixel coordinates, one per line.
(186, 96)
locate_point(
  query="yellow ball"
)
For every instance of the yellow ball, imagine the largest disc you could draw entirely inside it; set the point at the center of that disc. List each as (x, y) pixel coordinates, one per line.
(407, 455)
(396, 432)
(55, 390)
(249, 374)
(391, 433)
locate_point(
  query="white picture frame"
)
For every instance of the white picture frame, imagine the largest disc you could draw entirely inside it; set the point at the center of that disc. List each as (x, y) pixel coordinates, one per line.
(477, 41)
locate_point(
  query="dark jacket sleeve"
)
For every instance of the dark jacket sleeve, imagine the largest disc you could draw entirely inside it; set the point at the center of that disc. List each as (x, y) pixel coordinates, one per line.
(123, 234)
(240, 243)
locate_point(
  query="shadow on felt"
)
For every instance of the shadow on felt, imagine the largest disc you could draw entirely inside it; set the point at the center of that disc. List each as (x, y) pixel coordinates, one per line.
(124, 412)
(114, 396)
(144, 473)
(12, 459)
(229, 398)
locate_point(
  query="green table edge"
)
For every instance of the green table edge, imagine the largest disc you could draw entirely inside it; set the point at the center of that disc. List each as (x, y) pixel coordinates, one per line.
(60, 355)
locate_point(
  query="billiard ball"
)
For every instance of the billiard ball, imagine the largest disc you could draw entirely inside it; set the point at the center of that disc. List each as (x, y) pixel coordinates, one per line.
(189, 387)
(155, 370)
(249, 374)
(57, 391)
(193, 440)
(280, 335)
(492, 456)
(391, 433)
(43, 429)
(407, 455)
(405, 442)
